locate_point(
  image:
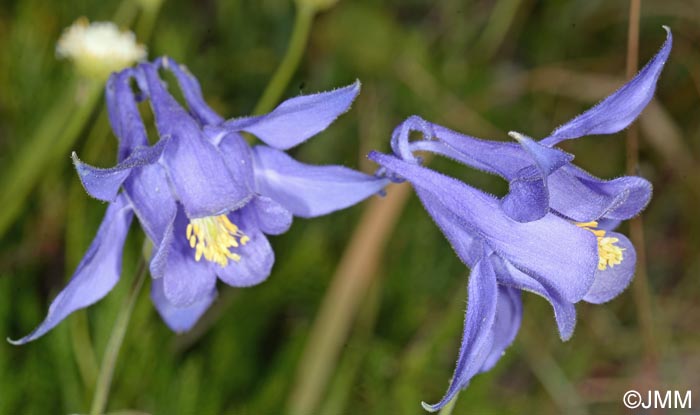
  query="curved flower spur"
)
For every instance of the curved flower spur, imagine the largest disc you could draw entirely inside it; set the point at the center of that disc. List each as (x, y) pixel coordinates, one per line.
(551, 257)
(541, 176)
(203, 197)
(549, 235)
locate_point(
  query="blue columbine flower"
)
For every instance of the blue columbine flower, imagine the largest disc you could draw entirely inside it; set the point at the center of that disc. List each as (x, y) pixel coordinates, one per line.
(541, 176)
(552, 257)
(561, 260)
(203, 196)
(550, 235)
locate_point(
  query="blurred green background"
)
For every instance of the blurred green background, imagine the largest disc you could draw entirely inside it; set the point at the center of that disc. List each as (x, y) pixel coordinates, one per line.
(394, 312)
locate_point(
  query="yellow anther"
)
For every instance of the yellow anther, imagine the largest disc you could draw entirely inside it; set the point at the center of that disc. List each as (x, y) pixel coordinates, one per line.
(609, 254)
(213, 236)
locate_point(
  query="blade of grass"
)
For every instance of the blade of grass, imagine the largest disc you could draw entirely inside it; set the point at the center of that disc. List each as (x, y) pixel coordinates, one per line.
(349, 285)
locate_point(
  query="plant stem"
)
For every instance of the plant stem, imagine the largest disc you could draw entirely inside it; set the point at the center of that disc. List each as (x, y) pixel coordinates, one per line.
(640, 286)
(300, 35)
(349, 286)
(447, 409)
(54, 137)
(109, 360)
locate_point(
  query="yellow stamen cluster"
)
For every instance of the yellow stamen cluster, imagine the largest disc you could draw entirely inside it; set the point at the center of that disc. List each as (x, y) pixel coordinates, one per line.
(609, 254)
(211, 237)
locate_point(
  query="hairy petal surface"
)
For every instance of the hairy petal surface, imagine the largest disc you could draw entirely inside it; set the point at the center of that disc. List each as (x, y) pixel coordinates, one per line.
(238, 157)
(307, 190)
(610, 282)
(297, 119)
(124, 113)
(148, 191)
(185, 281)
(478, 337)
(564, 310)
(192, 92)
(257, 256)
(528, 198)
(509, 314)
(581, 197)
(272, 218)
(551, 247)
(96, 274)
(104, 184)
(196, 168)
(525, 166)
(179, 319)
(622, 107)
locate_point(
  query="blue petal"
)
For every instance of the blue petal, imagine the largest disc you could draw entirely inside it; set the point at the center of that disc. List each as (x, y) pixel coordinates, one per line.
(477, 339)
(238, 157)
(552, 248)
(577, 195)
(124, 113)
(103, 184)
(297, 119)
(196, 168)
(618, 110)
(400, 137)
(310, 191)
(464, 241)
(192, 92)
(179, 319)
(257, 256)
(96, 274)
(526, 167)
(505, 159)
(149, 193)
(185, 281)
(613, 280)
(509, 314)
(528, 198)
(564, 311)
(272, 218)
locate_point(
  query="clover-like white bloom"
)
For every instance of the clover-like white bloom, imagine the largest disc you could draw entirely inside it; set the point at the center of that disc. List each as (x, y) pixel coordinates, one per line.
(99, 48)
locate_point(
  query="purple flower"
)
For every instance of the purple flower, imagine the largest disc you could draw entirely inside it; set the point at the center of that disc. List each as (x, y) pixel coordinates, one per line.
(554, 257)
(550, 235)
(542, 177)
(203, 196)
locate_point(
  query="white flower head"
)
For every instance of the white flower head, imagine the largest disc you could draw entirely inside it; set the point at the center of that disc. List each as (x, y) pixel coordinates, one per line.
(100, 48)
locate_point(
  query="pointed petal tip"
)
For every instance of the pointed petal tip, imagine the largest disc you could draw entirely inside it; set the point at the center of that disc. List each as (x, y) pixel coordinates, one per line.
(18, 342)
(373, 155)
(565, 337)
(429, 408)
(517, 136)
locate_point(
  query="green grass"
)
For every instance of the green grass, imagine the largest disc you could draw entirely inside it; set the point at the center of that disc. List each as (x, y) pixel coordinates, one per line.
(436, 59)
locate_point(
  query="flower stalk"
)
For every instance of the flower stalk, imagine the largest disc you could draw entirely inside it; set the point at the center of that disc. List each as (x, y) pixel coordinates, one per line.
(104, 379)
(290, 62)
(640, 286)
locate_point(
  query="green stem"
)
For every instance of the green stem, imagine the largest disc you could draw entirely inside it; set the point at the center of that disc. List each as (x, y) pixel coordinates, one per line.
(54, 138)
(76, 244)
(290, 62)
(447, 409)
(83, 352)
(104, 380)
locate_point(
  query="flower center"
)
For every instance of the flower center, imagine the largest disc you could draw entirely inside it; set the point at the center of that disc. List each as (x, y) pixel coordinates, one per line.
(212, 237)
(609, 254)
